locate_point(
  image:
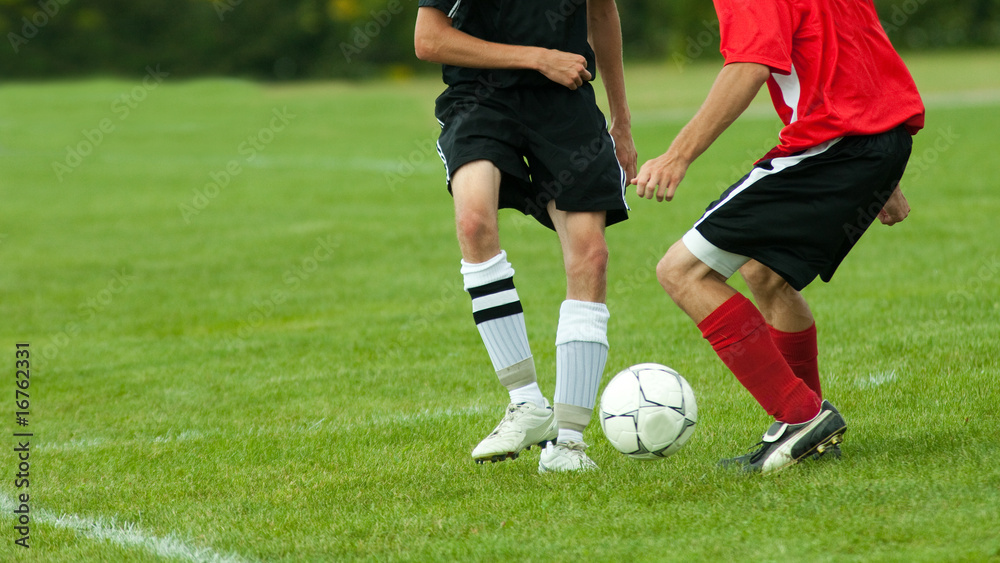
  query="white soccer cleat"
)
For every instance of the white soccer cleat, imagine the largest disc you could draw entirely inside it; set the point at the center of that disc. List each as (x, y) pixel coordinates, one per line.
(523, 425)
(565, 456)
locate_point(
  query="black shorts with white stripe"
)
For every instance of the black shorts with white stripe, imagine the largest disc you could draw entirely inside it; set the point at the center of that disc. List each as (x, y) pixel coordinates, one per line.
(549, 142)
(801, 215)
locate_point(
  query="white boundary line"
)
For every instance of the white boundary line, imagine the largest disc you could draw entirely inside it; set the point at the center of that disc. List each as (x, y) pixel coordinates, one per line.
(307, 427)
(126, 534)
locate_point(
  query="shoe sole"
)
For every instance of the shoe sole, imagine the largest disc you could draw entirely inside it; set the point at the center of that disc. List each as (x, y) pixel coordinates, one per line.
(832, 447)
(545, 470)
(819, 449)
(508, 455)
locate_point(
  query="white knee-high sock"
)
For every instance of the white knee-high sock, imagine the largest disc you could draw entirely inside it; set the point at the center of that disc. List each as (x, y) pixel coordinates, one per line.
(581, 353)
(497, 310)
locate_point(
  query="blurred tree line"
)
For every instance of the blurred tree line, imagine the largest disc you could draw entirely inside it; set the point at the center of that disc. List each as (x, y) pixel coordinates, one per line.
(288, 39)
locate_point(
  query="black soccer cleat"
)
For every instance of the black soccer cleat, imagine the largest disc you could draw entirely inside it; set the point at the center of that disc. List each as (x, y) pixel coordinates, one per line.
(786, 444)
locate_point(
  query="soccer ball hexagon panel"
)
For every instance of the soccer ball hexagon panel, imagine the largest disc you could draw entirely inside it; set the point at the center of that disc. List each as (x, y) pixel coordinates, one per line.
(648, 411)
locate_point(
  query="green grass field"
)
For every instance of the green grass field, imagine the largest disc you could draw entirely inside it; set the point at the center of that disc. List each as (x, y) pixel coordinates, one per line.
(249, 340)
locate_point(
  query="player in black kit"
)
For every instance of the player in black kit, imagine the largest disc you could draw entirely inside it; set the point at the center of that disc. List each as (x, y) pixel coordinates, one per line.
(520, 128)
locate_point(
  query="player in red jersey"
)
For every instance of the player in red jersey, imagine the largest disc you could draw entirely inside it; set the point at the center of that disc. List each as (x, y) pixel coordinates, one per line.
(850, 107)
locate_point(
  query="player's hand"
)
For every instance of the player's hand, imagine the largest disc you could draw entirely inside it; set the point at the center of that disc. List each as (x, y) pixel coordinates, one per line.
(625, 149)
(567, 69)
(660, 177)
(896, 208)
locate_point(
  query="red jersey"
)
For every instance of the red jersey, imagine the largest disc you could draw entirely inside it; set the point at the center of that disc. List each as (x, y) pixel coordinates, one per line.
(833, 70)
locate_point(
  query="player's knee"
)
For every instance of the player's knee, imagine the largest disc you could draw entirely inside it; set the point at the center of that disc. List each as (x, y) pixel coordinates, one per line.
(597, 256)
(589, 259)
(475, 228)
(762, 280)
(677, 269)
(669, 273)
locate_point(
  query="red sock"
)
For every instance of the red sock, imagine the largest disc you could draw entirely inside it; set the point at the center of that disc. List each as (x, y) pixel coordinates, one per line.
(739, 335)
(800, 351)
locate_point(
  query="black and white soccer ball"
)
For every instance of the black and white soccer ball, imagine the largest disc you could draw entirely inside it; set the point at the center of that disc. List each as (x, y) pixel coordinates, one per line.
(648, 411)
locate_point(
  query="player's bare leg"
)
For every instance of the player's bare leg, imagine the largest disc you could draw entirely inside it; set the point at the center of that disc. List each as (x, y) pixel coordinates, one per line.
(498, 314)
(581, 339)
(475, 187)
(695, 287)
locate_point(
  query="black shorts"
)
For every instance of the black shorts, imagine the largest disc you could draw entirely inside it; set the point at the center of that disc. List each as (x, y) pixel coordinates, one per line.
(550, 143)
(800, 215)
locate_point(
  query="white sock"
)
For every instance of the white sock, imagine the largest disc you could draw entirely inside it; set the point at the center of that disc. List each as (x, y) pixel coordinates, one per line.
(579, 367)
(569, 435)
(499, 317)
(528, 394)
(581, 354)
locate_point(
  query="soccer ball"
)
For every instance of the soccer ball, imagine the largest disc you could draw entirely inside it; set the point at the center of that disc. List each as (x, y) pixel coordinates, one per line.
(648, 411)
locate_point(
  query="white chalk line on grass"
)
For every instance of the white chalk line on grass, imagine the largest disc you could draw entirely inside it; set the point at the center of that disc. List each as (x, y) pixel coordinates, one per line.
(88, 443)
(127, 534)
(378, 421)
(870, 381)
(314, 426)
(877, 379)
(962, 98)
(428, 164)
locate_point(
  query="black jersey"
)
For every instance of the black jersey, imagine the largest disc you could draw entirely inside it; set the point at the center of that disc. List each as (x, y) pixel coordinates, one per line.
(552, 24)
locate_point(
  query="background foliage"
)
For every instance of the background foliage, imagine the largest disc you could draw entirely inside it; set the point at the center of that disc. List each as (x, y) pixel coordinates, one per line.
(287, 39)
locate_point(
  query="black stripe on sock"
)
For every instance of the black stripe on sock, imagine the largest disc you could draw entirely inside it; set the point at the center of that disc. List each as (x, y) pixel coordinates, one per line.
(497, 312)
(491, 288)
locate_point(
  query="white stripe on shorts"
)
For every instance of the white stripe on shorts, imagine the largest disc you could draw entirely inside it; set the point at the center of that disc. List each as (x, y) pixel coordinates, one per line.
(621, 170)
(777, 165)
(722, 261)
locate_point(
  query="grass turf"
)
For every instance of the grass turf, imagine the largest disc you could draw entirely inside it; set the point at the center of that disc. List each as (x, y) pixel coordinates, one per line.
(284, 367)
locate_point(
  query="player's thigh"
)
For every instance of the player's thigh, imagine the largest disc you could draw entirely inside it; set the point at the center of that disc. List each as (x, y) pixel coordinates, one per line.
(476, 189)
